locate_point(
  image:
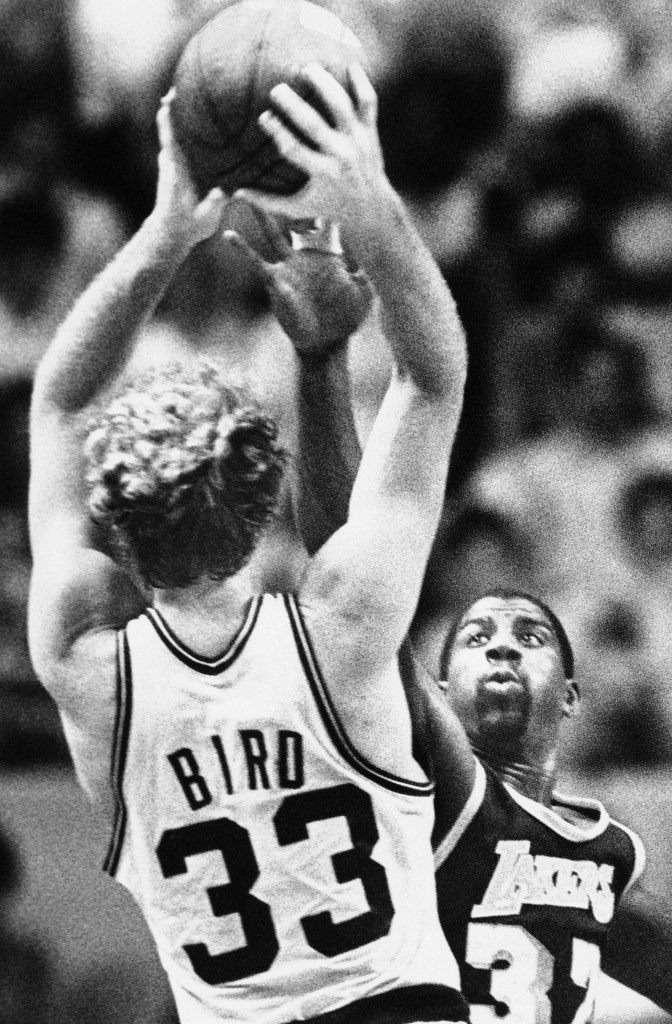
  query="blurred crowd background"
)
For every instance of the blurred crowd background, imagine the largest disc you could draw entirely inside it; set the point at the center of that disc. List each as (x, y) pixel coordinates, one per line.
(532, 140)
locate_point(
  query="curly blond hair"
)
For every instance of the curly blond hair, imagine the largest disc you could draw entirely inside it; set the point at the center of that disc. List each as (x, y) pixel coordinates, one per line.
(184, 473)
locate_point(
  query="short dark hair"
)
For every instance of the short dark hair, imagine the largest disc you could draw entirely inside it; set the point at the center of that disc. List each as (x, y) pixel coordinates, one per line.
(505, 594)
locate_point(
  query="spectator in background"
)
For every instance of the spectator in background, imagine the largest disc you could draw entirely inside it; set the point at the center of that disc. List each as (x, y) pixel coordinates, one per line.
(598, 392)
(563, 515)
(54, 237)
(26, 977)
(55, 231)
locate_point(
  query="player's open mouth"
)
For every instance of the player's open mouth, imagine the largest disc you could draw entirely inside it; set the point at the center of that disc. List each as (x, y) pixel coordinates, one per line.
(501, 677)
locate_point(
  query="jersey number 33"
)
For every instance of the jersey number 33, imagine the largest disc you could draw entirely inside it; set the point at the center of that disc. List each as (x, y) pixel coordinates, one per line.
(234, 843)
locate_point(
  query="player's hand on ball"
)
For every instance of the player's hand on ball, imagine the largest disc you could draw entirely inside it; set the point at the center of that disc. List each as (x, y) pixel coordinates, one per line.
(343, 159)
(177, 205)
(318, 300)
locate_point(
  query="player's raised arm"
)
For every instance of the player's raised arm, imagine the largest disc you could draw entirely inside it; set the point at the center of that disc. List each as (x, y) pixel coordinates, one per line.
(320, 302)
(365, 582)
(75, 586)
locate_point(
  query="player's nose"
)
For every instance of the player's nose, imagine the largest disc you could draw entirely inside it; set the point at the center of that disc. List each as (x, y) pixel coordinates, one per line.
(502, 650)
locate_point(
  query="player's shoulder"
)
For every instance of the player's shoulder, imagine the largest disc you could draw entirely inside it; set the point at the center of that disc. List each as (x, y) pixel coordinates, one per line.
(592, 818)
(75, 612)
(575, 818)
(496, 804)
(79, 591)
(586, 823)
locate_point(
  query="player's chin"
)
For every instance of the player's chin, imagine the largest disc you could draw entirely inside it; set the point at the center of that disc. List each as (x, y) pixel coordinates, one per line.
(506, 698)
(502, 728)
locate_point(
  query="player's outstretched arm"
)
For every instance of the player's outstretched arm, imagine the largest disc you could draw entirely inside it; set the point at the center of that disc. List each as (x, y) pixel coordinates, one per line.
(328, 450)
(638, 950)
(320, 302)
(75, 587)
(362, 587)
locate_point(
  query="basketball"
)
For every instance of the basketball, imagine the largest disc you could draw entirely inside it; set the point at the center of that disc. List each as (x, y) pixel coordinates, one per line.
(222, 84)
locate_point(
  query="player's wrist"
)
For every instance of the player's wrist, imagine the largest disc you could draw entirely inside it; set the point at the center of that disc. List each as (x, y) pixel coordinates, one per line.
(317, 360)
(169, 235)
(374, 226)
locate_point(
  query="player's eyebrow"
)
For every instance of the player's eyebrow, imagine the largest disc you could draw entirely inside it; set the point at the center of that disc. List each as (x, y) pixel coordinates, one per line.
(484, 621)
(535, 620)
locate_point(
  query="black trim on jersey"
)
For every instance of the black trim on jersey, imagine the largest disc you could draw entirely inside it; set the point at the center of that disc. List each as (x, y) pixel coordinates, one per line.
(330, 717)
(119, 751)
(400, 1006)
(197, 662)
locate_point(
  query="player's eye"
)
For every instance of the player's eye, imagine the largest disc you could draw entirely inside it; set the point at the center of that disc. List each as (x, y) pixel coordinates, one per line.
(531, 639)
(476, 638)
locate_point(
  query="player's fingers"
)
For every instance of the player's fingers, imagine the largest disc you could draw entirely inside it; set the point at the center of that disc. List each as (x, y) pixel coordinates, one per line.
(213, 204)
(320, 234)
(363, 283)
(163, 124)
(364, 95)
(259, 228)
(272, 232)
(238, 242)
(296, 112)
(328, 91)
(283, 293)
(286, 142)
(276, 205)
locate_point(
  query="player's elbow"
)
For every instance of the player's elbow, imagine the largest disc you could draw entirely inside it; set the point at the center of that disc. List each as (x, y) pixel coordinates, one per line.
(440, 379)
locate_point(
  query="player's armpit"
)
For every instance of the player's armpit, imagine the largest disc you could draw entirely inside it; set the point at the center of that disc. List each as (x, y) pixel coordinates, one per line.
(638, 950)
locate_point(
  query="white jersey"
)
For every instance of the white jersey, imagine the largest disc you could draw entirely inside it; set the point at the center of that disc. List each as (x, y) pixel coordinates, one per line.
(282, 875)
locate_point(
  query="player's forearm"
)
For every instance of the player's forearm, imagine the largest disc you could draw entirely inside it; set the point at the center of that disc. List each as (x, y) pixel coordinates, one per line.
(328, 453)
(419, 314)
(95, 340)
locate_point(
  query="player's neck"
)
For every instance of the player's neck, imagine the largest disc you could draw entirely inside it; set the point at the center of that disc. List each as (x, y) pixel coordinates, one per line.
(533, 782)
(207, 614)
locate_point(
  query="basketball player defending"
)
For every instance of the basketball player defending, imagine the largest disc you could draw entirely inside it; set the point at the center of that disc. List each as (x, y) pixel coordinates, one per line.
(538, 892)
(252, 752)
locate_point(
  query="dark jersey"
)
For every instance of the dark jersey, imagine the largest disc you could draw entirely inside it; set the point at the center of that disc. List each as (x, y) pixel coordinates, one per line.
(525, 899)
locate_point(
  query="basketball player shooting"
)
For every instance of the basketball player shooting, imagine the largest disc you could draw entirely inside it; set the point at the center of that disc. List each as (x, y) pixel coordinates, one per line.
(275, 835)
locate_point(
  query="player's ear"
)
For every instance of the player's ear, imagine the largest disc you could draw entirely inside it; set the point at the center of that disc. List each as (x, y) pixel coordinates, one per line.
(572, 703)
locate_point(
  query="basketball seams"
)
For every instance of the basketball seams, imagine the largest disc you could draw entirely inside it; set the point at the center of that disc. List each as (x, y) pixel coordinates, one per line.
(225, 73)
(221, 169)
(212, 105)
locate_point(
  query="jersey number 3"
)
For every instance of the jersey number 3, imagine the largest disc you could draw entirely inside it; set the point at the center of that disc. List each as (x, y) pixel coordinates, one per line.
(523, 986)
(291, 821)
